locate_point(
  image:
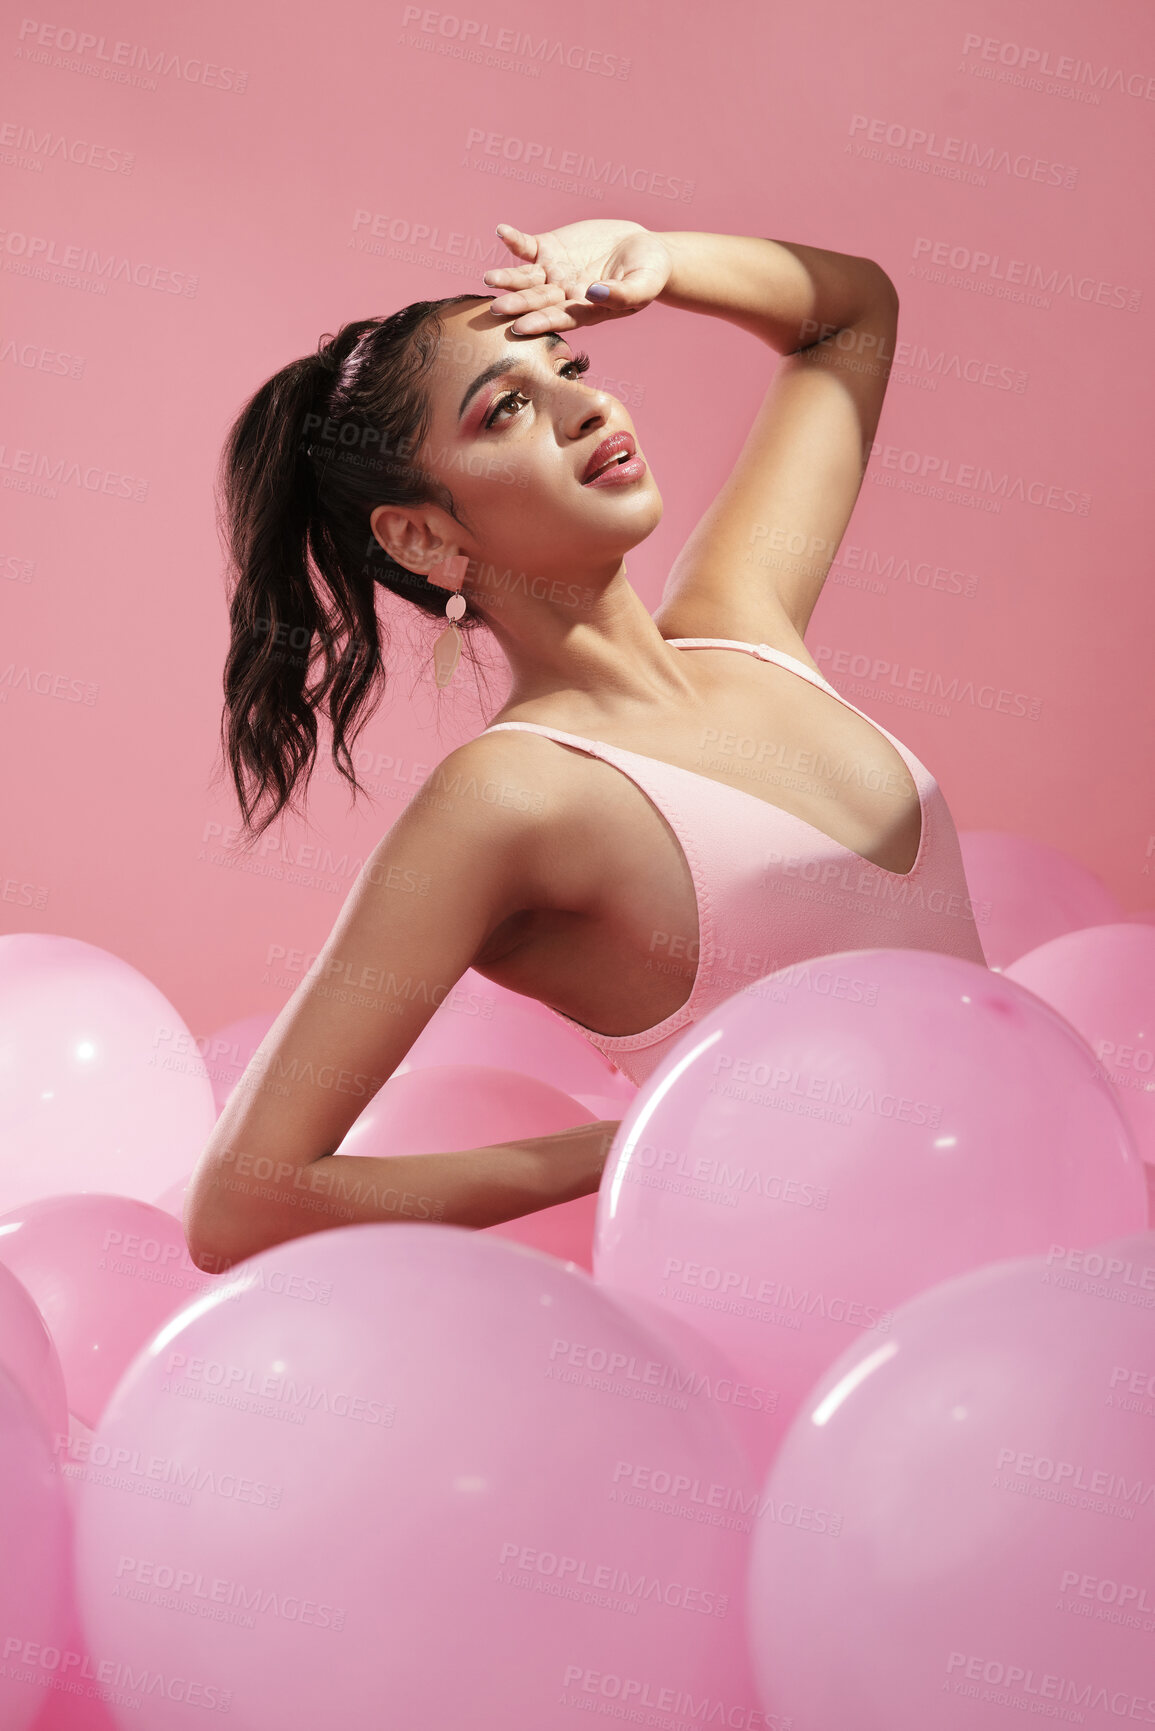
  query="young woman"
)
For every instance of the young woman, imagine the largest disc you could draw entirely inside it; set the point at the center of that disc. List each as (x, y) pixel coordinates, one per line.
(666, 809)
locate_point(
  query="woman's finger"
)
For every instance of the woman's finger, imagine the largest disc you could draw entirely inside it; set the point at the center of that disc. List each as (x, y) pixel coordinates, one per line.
(524, 245)
(636, 289)
(514, 276)
(548, 319)
(527, 300)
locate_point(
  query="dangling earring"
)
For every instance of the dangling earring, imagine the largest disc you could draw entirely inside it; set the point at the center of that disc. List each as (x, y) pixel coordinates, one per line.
(449, 574)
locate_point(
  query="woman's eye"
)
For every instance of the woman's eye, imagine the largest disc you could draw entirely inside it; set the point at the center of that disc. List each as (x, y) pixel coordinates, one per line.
(509, 397)
(577, 366)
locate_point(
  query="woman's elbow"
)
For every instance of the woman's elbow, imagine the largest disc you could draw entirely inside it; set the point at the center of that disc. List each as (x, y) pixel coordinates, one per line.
(884, 285)
(215, 1237)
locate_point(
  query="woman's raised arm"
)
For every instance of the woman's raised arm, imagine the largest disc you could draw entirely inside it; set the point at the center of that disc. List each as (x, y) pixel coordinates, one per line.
(754, 566)
(755, 563)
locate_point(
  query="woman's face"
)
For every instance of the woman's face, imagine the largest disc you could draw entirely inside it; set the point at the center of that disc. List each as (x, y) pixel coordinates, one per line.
(512, 431)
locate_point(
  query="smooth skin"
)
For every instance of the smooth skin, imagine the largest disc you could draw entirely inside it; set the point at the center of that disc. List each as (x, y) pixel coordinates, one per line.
(543, 868)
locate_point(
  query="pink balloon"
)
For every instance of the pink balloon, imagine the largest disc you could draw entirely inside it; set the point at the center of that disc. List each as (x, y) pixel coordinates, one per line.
(979, 1494)
(405, 1499)
(34, 1559)
(106, 1272)
(76, 1700)
(172, 1199)
(1026, 893)
(605, 1105)
(226, 1053)
(101, 1086)
(432, 1110)
(696, 1368)
(1145, 916)
(440, 1110)
(483, 1023)
(564, 1230)
(28, 1354)
(1103, 980)
(68, 1447)
(803, 1161)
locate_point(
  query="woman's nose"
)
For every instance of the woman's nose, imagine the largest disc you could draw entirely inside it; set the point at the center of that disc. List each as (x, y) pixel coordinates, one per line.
(591, 413)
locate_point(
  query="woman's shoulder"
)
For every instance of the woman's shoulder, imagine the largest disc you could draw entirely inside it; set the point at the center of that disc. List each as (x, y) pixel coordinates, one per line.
(499, 772)
(518, 791)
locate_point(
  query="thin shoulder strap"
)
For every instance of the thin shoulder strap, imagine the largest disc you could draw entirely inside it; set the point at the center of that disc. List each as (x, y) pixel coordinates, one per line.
(764, 651)
(537, 727)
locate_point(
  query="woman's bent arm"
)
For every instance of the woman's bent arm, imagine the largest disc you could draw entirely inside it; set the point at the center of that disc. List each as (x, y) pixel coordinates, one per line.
(456, 865)
(754, 565)
(788, 294)
(253, 1202)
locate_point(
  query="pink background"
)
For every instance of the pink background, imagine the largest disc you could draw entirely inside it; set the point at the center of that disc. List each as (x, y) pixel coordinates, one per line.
(233, 172)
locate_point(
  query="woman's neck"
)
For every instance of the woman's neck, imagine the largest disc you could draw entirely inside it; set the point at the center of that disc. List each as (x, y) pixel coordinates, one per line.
(567, 638)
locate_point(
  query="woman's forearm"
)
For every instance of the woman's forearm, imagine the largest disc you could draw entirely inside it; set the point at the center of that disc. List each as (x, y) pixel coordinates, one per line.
(788, 294)
(251, 1202)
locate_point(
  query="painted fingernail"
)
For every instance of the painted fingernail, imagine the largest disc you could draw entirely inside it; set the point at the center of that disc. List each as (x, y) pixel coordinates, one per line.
(597, 291)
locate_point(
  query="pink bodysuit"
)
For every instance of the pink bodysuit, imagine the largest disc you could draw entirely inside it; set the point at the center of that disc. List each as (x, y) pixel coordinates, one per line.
(774, 891)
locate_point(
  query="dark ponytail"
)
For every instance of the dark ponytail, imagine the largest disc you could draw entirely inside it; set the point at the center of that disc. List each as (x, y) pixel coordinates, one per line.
(321, 444)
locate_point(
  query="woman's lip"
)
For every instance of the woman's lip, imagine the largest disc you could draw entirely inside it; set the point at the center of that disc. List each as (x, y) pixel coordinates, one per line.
(619, 474)
(607, 451)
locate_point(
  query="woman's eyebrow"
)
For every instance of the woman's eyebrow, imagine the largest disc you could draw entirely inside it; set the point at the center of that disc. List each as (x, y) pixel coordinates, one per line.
(498, 367)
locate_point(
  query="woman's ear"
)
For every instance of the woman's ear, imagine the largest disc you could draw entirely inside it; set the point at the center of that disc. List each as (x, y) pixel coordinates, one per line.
(406, 536)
